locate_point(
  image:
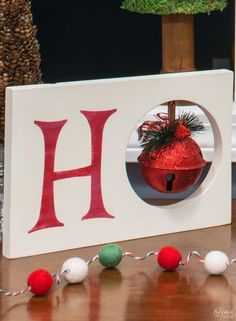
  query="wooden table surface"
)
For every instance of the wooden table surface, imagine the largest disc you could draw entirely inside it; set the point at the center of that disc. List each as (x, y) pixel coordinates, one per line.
(136, 290)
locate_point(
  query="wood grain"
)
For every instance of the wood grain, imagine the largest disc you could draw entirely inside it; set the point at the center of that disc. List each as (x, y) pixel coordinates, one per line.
(178, 43)
(135, 291)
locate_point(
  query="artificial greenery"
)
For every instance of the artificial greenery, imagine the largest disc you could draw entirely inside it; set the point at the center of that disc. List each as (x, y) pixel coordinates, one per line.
(155, 134)
(166, 7)
(191, 121)
(154, 140)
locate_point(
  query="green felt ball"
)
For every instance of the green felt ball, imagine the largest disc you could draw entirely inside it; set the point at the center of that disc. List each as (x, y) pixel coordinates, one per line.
(110, 255)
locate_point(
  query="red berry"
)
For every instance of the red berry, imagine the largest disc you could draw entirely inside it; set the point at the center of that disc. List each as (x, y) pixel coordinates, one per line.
(182, 131)
(40, 282)
(169, 258)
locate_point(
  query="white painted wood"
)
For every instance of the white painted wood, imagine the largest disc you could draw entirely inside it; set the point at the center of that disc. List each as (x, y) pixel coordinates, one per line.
(133, 97)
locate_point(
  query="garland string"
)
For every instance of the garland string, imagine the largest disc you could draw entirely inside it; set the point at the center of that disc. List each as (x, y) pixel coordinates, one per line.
(198, 256)
(92, 260)
(18, 293)
(75, 270)
(139, 258)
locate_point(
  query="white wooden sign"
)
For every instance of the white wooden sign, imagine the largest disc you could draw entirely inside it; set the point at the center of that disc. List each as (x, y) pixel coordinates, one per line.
(65, 174)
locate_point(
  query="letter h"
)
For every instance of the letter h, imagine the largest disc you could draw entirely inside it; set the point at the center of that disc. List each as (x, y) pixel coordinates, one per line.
(51, 131)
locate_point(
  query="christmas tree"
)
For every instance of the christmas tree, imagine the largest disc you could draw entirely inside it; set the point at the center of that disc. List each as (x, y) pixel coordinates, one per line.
(166, 7)
(177, 27)
(19, 50)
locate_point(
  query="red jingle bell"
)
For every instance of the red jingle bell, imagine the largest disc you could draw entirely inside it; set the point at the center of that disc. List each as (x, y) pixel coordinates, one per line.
(174, 167)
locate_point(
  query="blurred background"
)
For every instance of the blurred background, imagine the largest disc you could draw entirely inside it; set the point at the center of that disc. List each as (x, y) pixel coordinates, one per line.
(97, 39)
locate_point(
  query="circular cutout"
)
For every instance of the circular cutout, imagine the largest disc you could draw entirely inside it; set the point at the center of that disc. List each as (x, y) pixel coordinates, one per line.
(164, 164)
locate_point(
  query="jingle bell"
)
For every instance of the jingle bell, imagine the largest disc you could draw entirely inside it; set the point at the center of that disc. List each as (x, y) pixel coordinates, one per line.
(174, 167)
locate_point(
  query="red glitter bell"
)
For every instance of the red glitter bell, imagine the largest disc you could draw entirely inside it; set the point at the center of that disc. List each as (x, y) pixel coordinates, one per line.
(173, 167)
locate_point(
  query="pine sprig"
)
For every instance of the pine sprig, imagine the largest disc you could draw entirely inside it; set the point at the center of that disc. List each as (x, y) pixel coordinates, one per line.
(154, 135)
(191, 121)
(154, 139)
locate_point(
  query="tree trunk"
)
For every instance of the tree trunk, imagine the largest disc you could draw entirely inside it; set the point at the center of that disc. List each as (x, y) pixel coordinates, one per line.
(178, 43)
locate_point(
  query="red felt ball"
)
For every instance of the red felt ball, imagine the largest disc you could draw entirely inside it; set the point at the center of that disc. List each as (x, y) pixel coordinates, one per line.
(169, 258)
(40, 282)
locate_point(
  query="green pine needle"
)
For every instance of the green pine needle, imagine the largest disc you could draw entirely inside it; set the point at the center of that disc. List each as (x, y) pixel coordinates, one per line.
(154, 140)
(190, 120)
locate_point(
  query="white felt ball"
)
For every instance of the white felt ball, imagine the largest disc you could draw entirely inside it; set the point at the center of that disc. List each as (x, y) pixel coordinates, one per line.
(216, 262)
(75, 269)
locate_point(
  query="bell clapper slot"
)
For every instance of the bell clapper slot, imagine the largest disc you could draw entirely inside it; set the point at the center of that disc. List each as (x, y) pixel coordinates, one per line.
(170, 177)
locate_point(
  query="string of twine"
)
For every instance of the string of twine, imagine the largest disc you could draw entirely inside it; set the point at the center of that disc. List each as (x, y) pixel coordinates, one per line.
(58, 276)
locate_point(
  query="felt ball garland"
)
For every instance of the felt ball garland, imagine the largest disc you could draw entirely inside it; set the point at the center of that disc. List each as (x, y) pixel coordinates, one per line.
(169, 258)
(40, 282)
(75, 269)
(216, 262)
(110, 255)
